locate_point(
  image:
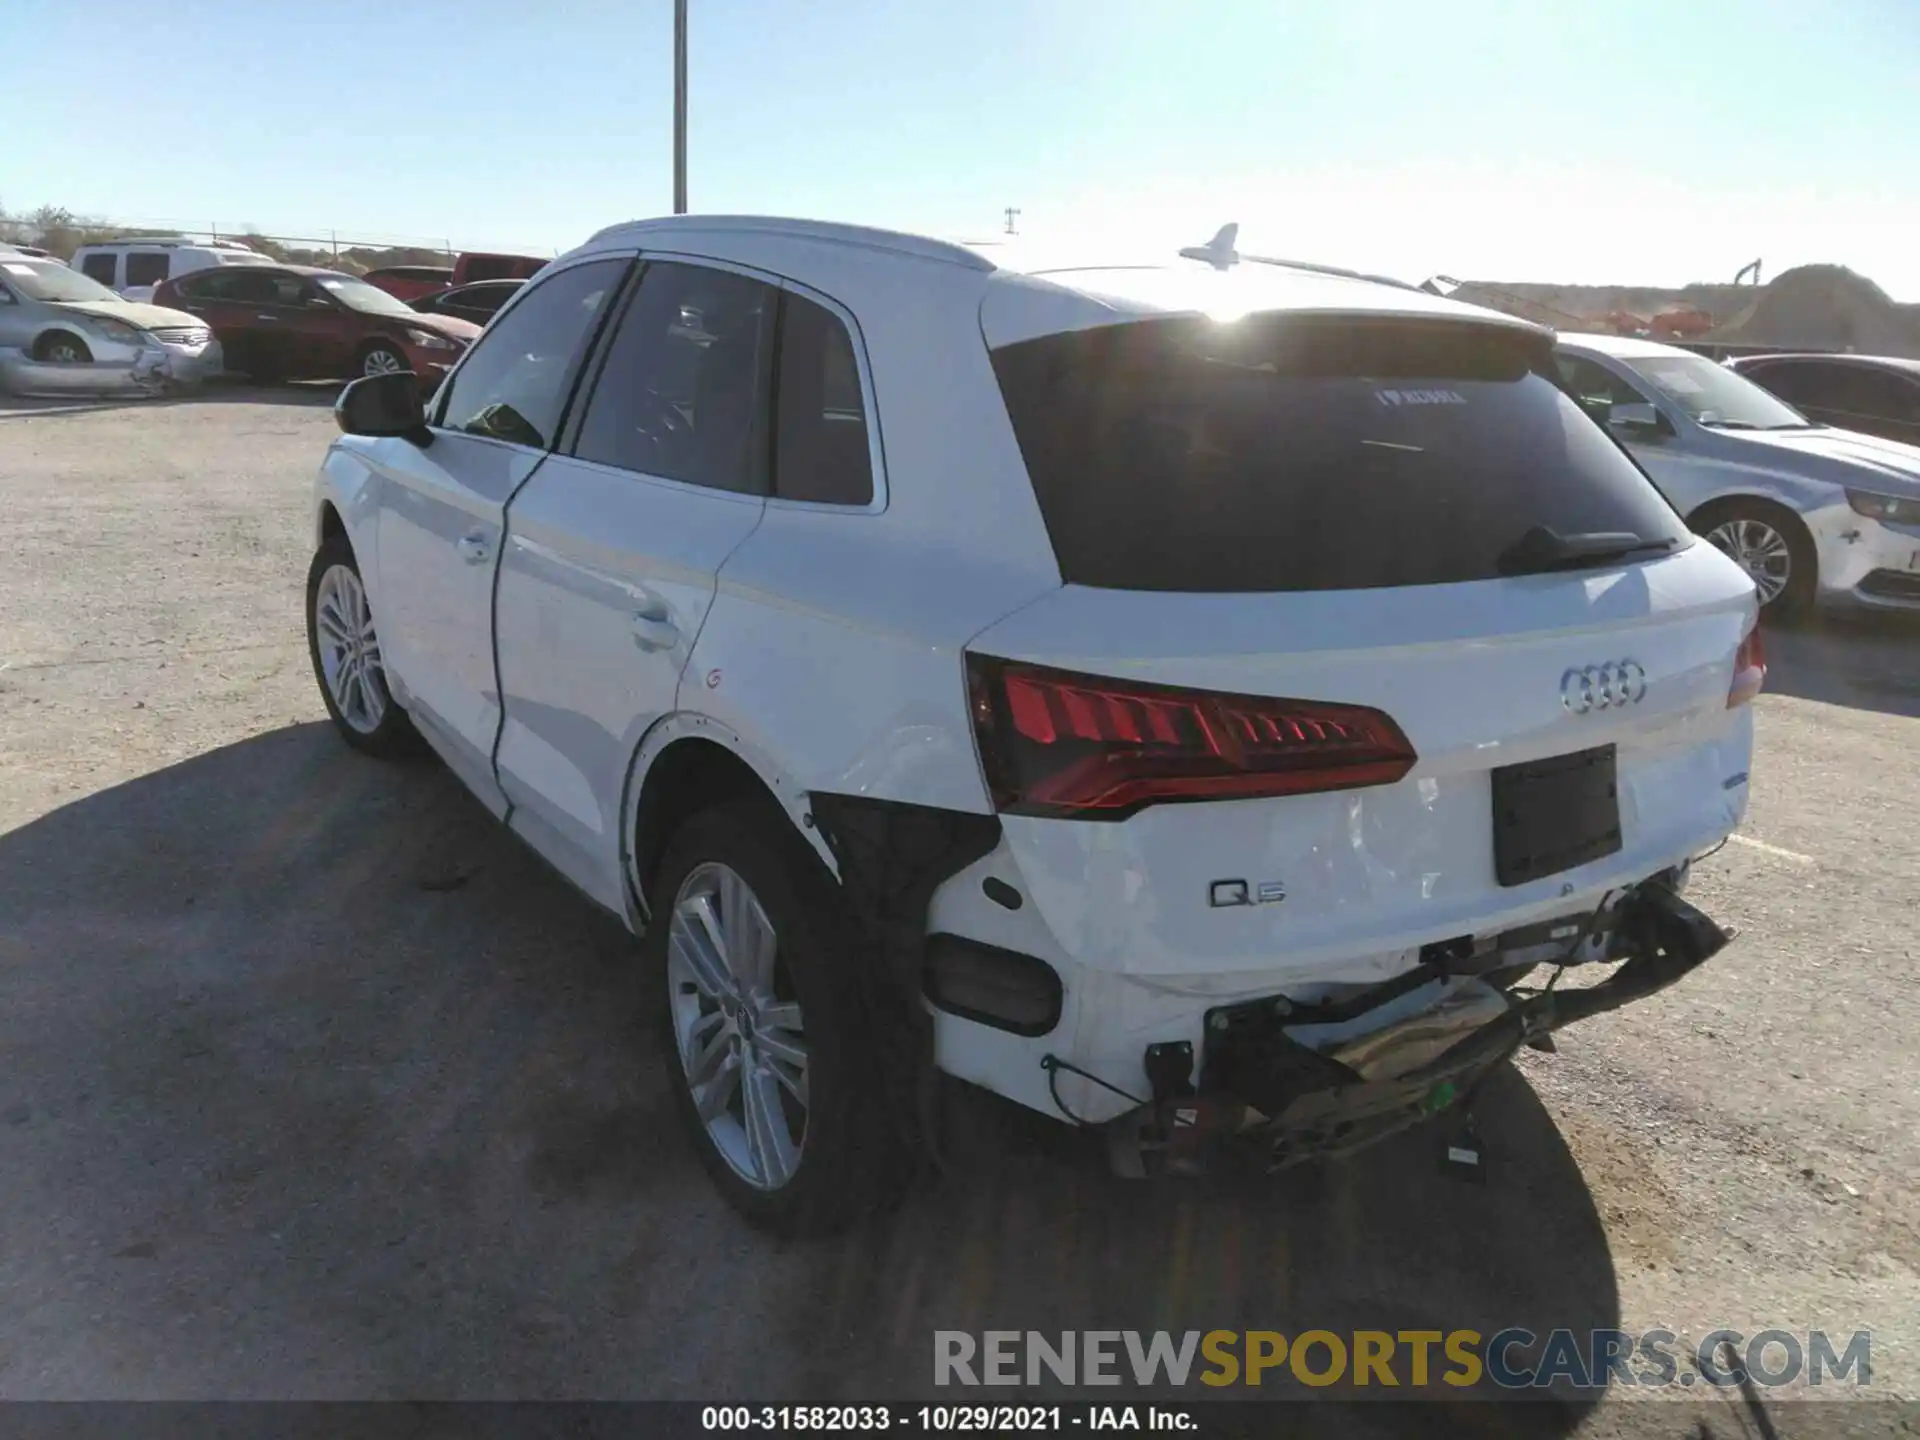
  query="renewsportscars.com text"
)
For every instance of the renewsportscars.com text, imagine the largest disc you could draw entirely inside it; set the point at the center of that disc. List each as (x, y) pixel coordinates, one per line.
(1512, 1359)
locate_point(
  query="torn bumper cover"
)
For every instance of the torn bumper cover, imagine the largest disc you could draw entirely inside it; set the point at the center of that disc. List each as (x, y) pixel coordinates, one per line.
(1286, 1083)
(151, 370)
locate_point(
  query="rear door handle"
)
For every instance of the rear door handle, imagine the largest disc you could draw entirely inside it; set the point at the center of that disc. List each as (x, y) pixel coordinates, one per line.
(474, 548)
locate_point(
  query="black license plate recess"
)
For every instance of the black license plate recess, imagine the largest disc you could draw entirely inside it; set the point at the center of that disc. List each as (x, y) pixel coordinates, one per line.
(1551, 815)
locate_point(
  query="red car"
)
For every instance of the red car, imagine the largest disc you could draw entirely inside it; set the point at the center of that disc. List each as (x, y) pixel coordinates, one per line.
(411, 282)
(296, 321)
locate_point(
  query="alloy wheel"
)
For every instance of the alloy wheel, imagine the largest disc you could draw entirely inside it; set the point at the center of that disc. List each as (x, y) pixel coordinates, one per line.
(381, 362)
(349, 650)
(1760, 550)
(738, 1029)
(65, 352)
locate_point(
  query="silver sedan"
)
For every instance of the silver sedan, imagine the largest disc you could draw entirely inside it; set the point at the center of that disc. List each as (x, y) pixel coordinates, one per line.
(61, 332)
(1817, 516)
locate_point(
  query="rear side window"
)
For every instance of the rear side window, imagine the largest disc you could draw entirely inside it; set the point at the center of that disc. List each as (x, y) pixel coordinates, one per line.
(215, 285)
(683, 392)
(1299, 453)
(820, 447)
(100, 267)
(146, 268)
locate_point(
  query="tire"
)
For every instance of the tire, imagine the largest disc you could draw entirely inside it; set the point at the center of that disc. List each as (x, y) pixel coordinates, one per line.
(58, 347)
(1771, 544)
(346, 657)
(841, 1162)
(380, 357)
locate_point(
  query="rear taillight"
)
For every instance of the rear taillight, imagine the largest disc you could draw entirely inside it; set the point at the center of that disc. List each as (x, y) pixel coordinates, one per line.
(1085, 747)
(1749, 669)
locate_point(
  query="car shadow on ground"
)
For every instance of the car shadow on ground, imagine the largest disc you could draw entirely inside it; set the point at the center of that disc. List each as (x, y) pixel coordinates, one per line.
(216, 392)
(1863, 662)
(309, 1062)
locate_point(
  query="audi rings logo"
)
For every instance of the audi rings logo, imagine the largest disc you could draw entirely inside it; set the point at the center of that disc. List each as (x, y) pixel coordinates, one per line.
(1603, 687)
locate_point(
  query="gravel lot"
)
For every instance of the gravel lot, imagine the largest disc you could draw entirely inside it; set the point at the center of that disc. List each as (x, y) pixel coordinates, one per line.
(313, 1083)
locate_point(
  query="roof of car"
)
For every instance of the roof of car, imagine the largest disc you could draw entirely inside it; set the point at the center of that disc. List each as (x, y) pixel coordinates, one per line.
(1887, 362)
(290, 269)
(1072, 287)
(1627, 347)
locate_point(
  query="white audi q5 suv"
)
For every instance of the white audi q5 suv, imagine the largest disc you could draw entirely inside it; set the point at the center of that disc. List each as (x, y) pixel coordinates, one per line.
(1190, 698)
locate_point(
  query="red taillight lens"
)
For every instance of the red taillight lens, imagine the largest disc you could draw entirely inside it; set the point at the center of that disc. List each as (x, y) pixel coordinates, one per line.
(1080, 746)
(1749, 669)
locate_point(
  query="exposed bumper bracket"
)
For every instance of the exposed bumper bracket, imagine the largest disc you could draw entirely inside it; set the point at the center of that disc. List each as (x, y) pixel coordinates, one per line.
(1264, 1092)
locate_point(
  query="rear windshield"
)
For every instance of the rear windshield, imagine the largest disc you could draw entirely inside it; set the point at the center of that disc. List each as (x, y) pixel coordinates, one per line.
(1301, 453)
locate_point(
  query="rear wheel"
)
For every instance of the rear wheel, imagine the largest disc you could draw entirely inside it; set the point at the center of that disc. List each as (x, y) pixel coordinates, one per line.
(767, 1051)
(345, 649)
(1771, 544)
(60, 348)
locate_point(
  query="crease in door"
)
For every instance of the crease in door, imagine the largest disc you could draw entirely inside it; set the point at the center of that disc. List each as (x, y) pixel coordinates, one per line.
(493, 634)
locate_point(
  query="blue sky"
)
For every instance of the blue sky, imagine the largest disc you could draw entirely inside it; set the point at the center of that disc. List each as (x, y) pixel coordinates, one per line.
(1644, 141)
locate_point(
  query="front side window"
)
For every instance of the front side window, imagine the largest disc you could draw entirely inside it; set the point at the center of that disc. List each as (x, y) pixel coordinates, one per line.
(513, 385)
(100, 267)
(146, 268)
(820, 448)
(1875, 394)
(683, 393)
(1714, 396)
(1595, 386)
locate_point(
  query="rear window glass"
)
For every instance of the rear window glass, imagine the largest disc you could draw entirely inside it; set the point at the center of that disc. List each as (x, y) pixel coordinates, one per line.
(1284, 453)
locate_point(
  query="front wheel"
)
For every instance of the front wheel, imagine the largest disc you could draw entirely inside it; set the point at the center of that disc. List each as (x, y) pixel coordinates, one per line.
(381, 358)
(768, 1054)
(345, 650)
(61, 348)
(1771, 545)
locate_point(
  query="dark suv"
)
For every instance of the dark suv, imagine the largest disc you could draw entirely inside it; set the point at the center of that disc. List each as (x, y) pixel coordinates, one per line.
(295, 321)
(1868, 393)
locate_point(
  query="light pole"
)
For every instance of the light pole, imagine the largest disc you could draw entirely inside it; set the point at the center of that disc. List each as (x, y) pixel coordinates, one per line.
(679, 107)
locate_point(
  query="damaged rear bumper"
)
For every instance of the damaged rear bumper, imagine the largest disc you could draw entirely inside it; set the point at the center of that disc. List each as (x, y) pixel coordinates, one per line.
(1283, 1083)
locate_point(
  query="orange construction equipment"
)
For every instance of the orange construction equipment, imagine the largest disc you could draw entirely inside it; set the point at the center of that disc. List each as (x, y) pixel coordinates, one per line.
(1682, 324)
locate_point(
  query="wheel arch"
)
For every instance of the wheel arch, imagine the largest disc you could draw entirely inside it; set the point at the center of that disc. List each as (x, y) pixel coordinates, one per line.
(56, 331)
(1759, 499)
(684, 763)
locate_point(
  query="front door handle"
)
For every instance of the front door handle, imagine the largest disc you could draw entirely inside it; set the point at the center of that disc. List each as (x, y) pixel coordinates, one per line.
(474, 548)
(653, 627)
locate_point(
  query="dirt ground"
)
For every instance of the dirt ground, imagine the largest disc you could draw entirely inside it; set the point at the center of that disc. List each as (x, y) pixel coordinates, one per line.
(313, 1083)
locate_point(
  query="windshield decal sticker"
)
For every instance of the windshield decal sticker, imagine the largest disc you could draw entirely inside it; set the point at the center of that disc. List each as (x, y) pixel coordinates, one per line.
(1420, 397)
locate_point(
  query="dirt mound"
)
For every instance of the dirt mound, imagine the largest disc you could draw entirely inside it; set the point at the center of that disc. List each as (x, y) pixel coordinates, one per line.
(1826, 307)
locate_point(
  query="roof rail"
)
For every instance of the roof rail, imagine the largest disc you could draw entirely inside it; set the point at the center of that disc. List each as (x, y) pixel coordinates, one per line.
(1341, 271)
(162, 241)
(1220, 252)
(833, 231)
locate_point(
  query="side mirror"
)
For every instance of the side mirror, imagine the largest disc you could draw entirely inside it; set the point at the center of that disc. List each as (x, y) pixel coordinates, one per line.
(384, 405)
(1636, 417)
